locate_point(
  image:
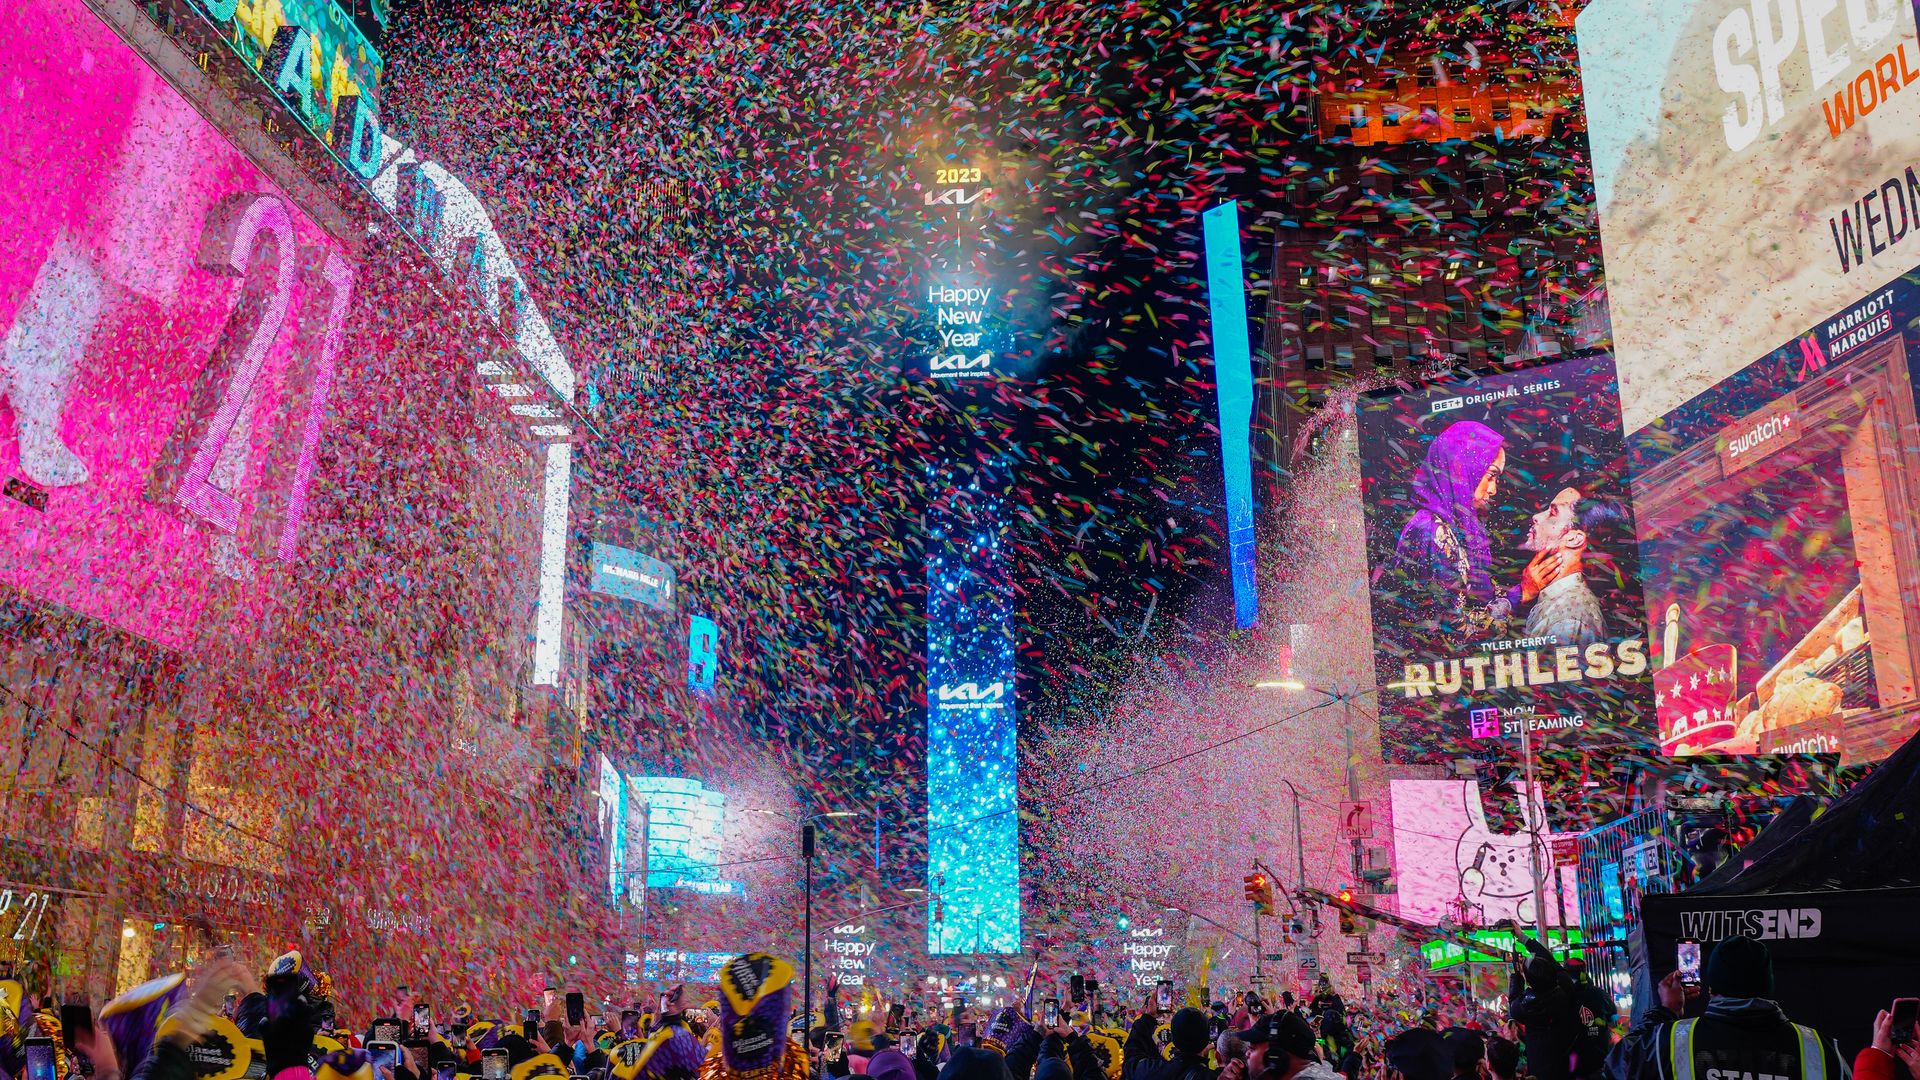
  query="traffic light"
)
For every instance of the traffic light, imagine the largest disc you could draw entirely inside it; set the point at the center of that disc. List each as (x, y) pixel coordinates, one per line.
(1259, 892)
(1347, 925)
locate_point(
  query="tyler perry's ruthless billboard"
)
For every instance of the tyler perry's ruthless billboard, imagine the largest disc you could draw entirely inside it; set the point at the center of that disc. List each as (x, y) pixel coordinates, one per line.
(1501, 548)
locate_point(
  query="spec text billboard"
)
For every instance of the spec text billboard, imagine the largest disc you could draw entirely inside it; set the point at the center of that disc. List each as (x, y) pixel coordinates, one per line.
(1754, 167)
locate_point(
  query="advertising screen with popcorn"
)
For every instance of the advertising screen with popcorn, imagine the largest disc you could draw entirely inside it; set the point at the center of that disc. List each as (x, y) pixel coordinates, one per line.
(1776, 515)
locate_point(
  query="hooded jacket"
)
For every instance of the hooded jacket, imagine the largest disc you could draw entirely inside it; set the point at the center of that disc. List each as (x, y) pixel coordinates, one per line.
(1738, 1036)
(1549, 1021)
(1143, 1061)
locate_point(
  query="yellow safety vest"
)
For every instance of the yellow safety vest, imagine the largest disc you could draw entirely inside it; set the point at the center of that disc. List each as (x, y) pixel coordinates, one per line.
(1813, 1056)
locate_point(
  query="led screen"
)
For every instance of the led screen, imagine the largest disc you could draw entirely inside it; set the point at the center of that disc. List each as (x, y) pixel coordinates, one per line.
(1754, 169)
(683, 831)
(1777, 532)
(703, 653)
(1449, 864)
(628, 575)
(1233, 373)
(1504, 570)
(172, 324)
(973, 827)
(612, 819)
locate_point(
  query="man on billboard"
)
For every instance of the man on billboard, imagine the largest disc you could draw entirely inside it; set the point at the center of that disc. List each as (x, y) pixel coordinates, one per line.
(1564, 608)
(1443, 561)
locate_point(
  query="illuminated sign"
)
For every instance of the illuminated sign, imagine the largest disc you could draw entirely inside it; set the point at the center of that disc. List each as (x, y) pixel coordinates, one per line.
(972, 696)
(170, 344)
(629, 575)
(1693, 105)
(959, 313)
(1233, 375)
(22, 913)
(849, 952)
(673, 965)
(1441, 955)
(1774, 511)
(612, 819)
(973, 838)
(316, 59)
(1504, 562)
(1148, 952)
(1449, 863)
(703, 653)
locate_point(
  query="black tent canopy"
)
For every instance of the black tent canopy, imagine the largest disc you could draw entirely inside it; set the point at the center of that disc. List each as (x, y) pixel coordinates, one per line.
(1834, 893)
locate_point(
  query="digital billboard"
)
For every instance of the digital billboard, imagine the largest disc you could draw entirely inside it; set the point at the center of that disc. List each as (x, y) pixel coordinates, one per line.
(973, 763)
(1450, 864)
(172, 325)
(1778, 542)
(1502, 558)
(1233, 375)
(684, 818)
(629, 575)
(611, 816)
(1754, 170)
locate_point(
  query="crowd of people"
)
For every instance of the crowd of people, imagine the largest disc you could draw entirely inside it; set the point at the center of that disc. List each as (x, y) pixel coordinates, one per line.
(223, 1023)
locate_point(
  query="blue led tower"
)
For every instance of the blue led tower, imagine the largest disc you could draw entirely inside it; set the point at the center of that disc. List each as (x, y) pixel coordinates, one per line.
(1233, 377)
(973, 828)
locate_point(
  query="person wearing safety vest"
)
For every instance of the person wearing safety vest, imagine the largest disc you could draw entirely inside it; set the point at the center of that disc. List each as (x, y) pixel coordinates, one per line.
(1741, 1033)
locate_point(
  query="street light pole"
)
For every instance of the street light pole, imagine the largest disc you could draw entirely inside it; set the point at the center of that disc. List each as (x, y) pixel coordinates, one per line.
(1299, 842)
(806, 946)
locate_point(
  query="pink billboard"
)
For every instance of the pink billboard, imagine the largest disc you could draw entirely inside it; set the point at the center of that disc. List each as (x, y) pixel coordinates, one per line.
(1450, 863)
(172, 323)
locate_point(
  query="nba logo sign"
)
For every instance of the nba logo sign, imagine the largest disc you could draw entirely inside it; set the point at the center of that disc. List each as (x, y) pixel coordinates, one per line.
(1483, 723)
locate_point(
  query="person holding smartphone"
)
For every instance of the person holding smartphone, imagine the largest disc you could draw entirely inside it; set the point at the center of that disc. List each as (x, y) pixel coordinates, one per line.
(1741, 1029)
(1896, 1043)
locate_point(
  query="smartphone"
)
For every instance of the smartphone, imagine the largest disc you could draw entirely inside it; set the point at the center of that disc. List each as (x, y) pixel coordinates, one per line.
(629, 1023)
(423, 1018)
(1165, 994)
(493, 1063)
(223, 952)
(1077, 988)
(75, 1019)
(834, 1041)
(383, 1053)
(1050, 1012)
(385, 1029)
(1687, 959)
(444, 1070)
(576, 1007)
(1906, 1011)
(1093, 988)
(39, 1058)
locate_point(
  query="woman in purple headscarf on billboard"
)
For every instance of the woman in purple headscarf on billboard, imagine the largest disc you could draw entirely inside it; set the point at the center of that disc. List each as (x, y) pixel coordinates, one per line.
(1442, 562)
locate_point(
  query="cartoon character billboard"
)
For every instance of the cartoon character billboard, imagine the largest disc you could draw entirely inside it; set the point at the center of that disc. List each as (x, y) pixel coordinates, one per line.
(1503, 567)
(1450, 864)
